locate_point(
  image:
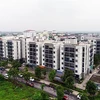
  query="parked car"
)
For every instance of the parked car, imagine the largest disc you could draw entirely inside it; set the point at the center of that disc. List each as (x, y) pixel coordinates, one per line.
(31, 79)
(6, 76)
(65, 98)
(79, 97)
(20, 75)
(30, 84)
(2, 68)
(67, 92)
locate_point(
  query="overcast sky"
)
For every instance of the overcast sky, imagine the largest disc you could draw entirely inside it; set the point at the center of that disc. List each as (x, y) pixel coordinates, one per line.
(60, 15)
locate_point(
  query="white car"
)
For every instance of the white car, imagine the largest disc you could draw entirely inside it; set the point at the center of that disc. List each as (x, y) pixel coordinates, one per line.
(20, 75)
(78, 97)
(6, 75)
(31, 79)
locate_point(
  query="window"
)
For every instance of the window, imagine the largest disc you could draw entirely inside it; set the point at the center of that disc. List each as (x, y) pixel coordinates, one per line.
(54, 52)
(83, 49)
(62, 53)
(76, 71)
(76, 49)
(82, 64)
(43, 50)
(62, 58)
(43, 59)
(53, 66)
(62, 68)
(82, 69)
(76, 61)
(62, 63)
(54, 61)
(76, 55)
(76, 65)
(53, 56)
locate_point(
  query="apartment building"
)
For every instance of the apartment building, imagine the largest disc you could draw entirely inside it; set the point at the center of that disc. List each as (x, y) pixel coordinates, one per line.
(13, 49)
(51, 54)
(77, 57)
(2, 49)
(34, 53)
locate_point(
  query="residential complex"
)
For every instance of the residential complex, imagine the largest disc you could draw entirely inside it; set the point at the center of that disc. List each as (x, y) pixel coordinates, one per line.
(50, 50)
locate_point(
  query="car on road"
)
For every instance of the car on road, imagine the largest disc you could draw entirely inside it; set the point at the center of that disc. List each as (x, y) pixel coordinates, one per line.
(2, 68)
(6, 76)
(79, 97)
(31, 79)
(67, 92)
(65, 98)
(20, 75)
(30, 84)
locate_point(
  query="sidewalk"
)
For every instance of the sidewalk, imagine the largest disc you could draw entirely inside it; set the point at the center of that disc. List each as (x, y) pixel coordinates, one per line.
(83, 84)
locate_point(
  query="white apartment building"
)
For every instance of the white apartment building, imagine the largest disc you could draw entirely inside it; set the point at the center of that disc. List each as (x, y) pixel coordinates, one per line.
(77, 57)
(13, 49)
(34, 52)
(51, 54)
(2, 48)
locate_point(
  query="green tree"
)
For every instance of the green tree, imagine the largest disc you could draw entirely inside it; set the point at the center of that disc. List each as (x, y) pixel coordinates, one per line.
(67, 73)
(26, 74)
(97, 59)
(52, 75)
(38, 72)
(44, 71)
(84, 97)
(13, 73)
(91, 87)
(60, 92)
(69, 81)
(16, 64)
(3, 63)
(42, 86)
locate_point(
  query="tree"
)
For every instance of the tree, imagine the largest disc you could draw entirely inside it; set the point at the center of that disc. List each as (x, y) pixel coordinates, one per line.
(16, 64)
(44, 71)
(26, 74)
(38, 72)
(52, 75)
(60, 92)
(97, 59)
(67, 73)
(91, 87)
(3, 63)
(69, 82)
(84, 97)
(13, 73)
(42, 86)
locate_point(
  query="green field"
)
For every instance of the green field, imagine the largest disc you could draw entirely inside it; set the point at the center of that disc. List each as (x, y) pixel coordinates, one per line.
(9, 91)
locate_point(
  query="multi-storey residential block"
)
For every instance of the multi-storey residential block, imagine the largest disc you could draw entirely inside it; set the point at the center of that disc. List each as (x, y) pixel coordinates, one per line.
(50, 54)
(34, 53)
(77, 57)
(13, 49)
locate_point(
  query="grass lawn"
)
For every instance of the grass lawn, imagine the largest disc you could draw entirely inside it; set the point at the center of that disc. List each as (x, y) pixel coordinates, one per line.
(8, 91)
